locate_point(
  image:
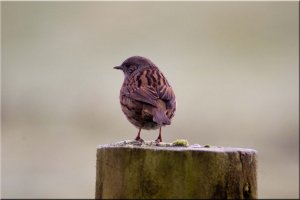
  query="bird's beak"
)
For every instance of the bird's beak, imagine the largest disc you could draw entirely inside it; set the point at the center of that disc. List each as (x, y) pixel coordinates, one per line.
(118, 67)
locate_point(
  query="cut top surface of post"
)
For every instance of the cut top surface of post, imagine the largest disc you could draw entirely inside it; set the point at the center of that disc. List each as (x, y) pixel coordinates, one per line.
(151, 145)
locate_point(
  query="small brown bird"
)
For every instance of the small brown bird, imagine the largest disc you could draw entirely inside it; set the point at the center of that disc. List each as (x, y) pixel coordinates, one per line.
(146, 97)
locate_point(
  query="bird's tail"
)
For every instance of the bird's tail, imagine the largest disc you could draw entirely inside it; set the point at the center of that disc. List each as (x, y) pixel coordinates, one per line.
(161, 118)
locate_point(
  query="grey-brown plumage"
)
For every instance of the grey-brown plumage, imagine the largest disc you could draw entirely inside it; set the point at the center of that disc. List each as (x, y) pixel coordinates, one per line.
(146, 97)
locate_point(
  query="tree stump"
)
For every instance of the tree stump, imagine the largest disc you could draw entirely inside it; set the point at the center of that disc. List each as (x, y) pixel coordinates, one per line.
(131, 169)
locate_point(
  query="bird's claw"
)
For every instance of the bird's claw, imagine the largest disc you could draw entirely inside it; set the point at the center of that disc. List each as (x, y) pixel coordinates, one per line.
(139, 139)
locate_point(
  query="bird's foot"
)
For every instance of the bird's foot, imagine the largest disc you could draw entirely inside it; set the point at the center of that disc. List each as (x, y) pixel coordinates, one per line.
(157, 141)
(139, 139)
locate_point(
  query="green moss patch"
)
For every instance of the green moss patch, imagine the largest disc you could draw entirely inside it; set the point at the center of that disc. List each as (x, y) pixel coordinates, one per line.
(180, 143)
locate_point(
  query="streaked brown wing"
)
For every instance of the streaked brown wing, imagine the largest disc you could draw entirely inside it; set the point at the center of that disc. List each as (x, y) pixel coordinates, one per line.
(143, 94)
(153, 86)
(165, 93)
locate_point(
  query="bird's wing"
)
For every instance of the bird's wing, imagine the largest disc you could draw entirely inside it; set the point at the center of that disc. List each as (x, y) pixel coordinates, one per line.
(144, 94)
(165, 93)
(151, 89)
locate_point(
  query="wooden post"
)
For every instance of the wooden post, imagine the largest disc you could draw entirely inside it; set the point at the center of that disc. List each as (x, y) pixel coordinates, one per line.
(130, 169)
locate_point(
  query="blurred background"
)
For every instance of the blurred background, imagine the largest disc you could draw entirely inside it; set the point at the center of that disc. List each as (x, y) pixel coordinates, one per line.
(234, 67)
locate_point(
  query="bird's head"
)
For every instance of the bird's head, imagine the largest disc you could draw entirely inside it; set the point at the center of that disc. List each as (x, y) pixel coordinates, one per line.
(134, 63)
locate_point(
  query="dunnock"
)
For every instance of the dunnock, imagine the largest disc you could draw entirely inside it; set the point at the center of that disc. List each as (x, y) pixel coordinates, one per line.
(146, 97)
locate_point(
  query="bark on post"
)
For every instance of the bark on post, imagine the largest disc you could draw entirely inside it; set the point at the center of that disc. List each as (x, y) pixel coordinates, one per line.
(133, 170)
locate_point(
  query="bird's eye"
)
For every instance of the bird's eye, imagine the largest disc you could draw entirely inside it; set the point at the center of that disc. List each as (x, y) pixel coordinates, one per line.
(131, 69)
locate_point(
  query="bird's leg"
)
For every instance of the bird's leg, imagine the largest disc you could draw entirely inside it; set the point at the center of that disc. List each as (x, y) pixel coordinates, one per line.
(138, 138)
(159, 139)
